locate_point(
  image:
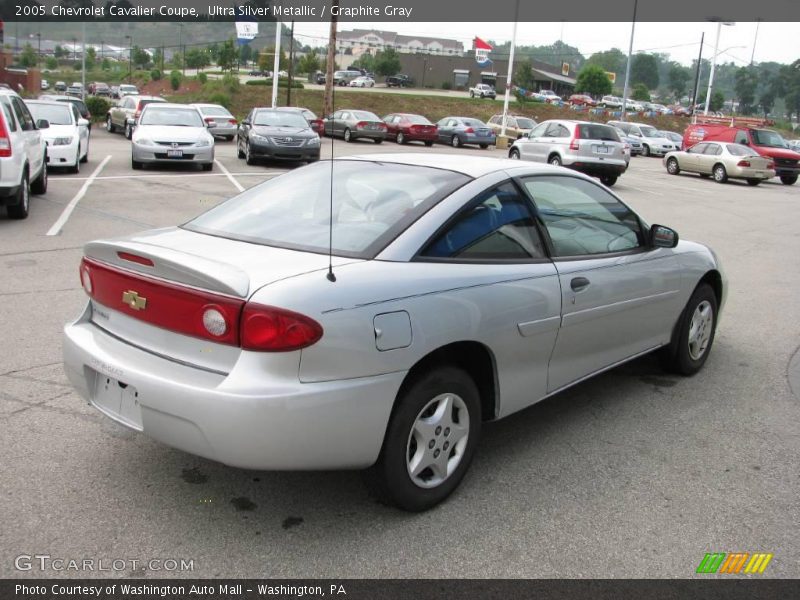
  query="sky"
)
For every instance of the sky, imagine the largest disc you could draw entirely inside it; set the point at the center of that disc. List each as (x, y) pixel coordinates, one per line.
(779, 42)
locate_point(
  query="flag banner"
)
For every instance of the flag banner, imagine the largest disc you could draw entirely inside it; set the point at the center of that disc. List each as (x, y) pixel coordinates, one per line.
(246, 31)
(482, 50)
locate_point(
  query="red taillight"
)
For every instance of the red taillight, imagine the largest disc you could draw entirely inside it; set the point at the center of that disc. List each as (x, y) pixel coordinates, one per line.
(271, 329)
(317, 124)
(469, 130)
(361, 125)
(743, 163)
(232, 121)
(574, 145)
(5, 141)
(142, 260)
(209, 119)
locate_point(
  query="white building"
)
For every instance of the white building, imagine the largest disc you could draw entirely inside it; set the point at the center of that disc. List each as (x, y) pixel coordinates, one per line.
(360, 41)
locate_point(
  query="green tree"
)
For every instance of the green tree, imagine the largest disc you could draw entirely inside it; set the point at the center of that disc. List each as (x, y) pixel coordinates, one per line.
(51, 63)
(140, 57)
(640, 92)
(717, 101)
(226, 55)
(91, 58)
(309, 63)
(245, 54)
(265, 61)
(593, 80)
(678, 80)
(789, 87)
(610, 60)
(28, 56)
(60, 52)
(644, 69)
(745, 86)
(387, 62)
(523, 75)
(197, 58)
(175, 80)
(158, 58)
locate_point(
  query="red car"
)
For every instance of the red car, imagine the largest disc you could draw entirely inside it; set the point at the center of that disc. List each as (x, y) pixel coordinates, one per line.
(408, 128)
(582, 100)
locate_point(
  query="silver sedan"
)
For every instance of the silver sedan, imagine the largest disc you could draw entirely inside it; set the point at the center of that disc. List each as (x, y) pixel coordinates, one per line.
(171, 133)
(381, 318)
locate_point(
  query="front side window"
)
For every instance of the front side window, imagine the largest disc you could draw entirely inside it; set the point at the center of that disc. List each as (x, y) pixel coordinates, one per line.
(372, 204)
(582, 218)
(498, 225)
(713, 149)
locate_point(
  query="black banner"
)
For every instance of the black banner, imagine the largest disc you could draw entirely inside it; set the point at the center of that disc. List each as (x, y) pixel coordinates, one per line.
(398, 589)
(527, 11)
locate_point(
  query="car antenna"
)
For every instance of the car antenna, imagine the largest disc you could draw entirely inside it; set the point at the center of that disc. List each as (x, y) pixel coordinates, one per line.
(330, 276)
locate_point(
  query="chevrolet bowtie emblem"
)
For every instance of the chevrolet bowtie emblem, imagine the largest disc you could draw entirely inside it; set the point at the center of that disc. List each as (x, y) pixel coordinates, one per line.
(134, 300)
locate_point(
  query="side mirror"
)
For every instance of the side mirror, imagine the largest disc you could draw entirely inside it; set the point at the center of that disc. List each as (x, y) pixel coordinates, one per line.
(662, 236)
(83, 122)
(42, 124)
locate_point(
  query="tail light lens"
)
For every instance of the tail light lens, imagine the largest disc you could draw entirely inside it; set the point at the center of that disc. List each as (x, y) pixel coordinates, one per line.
(136, 115)
(5, 141)
(233, 121)
(361, 125)
(271, 329)
(469, 130)
(209, 119)
(382, 126)
(574, 145)
(743, 163)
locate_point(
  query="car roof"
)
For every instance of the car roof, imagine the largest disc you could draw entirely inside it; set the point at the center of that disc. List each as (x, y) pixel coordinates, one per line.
(46, 102)
(472, 166)
(171, 105)
(146, 97)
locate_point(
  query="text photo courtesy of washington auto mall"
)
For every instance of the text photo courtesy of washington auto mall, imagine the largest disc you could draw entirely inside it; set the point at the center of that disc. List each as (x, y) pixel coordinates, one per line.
(425, 300)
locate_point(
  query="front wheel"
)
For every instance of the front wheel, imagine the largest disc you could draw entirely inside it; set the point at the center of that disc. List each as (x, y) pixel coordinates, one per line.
(85, 158)
(208, 166)
(239, 151)
(455, 141)
(228, 138)
(76, 168)
(378, 140)
(19, 210)
(472, 94)
(720, 174)
(348, 137)
(109, 125)
(39, 186)
(672, 166)
(645, 150)
(483, 146)
(694, 334)
(429, 144)
(788, 179)
(608, 180)
(430, 440)
(401, 139)
(136, 165)
(555, 161)
(248, 155)
(514, 154)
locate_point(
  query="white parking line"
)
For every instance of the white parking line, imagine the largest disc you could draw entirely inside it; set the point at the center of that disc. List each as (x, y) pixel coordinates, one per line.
(238, 185)
(56, 228)
(167, 176)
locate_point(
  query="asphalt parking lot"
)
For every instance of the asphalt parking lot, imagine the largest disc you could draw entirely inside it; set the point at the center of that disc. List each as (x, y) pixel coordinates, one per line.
(633, 474)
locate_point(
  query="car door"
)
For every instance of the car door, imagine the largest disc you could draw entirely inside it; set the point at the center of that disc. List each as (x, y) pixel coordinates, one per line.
(245, 126)
(506, 283)
(690, 160)
(532, 148)
(31, 136)
(620, 297)
(390, 126)
(445, 127)
(340, 122)
(83, 129)
(709, 157)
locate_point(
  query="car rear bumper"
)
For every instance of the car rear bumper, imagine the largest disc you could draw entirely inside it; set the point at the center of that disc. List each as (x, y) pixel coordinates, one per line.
(751, 173)
(223, 130)
(478, 139)
(158, 154)
(591, 168)
(262, 422)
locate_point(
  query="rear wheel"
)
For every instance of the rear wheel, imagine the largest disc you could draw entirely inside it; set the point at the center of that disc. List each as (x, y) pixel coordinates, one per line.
(455, 141)
(39, 186)
(429, 144)
(672, 166)
(555, 160)
(720, 174)
(239, 151)
(128, 131)
(348, 137)
(484, 146)
(430, 440)
(608, 180)
(19, 210)
(378, 140)
(694, 335)
(753, 182)
(228, 138)
(788, 179)
(472, 94)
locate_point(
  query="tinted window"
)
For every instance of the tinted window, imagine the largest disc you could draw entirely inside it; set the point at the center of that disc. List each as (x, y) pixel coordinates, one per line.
(712, 149)
(741, 137)
(365, 115)
(372, 203)
(582, 218)
(539, 130)
(473, 123)
(557, 130)
(215, 111)
(418, 120)
(524, 123)
(498, 225)
(597, 132)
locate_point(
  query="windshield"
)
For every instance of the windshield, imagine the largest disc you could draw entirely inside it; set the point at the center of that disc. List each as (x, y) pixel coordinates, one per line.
(418, 120)
(648, 131)
(364, 115)
(372, 204)
(765, 137)
(215, 111)
(54, 114)
(179, 117)
(524, 123)
(279, 118)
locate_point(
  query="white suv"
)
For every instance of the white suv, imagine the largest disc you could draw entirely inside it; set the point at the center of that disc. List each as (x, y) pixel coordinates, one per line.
(23, 155)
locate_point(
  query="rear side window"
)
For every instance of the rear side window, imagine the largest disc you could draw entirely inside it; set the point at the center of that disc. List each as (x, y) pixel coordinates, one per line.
(597, 132)
(713, 149)
(23, 115)
(11, 124)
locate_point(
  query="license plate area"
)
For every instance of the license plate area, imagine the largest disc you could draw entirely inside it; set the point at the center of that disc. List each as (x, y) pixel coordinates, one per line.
(118, 400)
(601, 149)
(175, 153)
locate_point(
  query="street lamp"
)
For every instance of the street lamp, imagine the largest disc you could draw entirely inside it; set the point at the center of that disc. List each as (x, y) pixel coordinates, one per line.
(130, 57)
(714, 64)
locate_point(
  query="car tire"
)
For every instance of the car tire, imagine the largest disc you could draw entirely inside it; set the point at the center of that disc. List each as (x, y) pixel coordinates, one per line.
(208, 166)
(239, 151)
(416, 417)
(378, 140)
(39, 186)
(76, 168)
(720, 174)
(229, 138)
(513, 154)
(483, 146)
(248, 156)
(429, 144)
(788, 179)
(455, 141)
(136, 165)
(673, 168)
(645, 150)
(694, 333)
(472, 94)
(85, 158)
(555, 160)
(128, 131)
(19, 210)
(401, 139)
(348, 137)
(110, 125)
(608, 180)
(753, 182)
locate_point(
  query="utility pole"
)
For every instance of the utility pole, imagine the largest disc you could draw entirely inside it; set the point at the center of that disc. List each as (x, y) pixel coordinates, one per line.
(755, 40)
(276, 64)
(291, 66)
(697, 74)
(713, 66)
(510, 72)
(327, 105)
(628, 66)
(83, 60)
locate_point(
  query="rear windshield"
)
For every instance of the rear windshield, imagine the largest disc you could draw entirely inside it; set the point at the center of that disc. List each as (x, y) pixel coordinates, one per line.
(765, 137)
(739, 150)
(279, 118)
(473, 123)
(372, 204)
(128, 88)
(418, 120)
(598, 132)
(55, 115)
(215, 111)
(179, 117)
(365, 115)
(143, 103)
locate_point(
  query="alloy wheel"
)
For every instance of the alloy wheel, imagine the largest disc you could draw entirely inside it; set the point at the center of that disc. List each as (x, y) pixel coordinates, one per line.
(700, 329)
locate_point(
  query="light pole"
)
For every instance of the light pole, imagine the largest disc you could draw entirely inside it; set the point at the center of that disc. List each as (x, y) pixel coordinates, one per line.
(628, 66)
(714, 64)
(39, 51)
(130, 57)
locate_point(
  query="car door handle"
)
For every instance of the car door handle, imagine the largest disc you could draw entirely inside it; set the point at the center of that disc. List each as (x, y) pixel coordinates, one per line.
(579, 284)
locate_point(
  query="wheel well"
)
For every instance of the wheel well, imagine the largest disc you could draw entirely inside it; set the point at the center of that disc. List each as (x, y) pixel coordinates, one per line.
(552, 154)
(474, 358)
(718, 165)
(714, 279)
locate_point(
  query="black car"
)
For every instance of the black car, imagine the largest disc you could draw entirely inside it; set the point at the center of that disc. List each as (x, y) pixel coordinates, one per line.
(399, 80)
(276, 134)
(256, 73)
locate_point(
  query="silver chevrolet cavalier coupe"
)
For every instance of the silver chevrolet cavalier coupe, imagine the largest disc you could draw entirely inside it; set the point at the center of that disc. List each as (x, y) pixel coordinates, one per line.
(458, 290)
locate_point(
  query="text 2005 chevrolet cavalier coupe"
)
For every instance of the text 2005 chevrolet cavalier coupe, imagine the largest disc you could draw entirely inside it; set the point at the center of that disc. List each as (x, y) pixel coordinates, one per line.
(462, 290)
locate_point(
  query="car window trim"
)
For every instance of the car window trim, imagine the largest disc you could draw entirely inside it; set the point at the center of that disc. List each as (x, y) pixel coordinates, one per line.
(486, 261)
(644, 227)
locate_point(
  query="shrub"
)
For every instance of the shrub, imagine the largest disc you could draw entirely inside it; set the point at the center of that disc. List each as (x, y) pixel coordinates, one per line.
(447, 85)
(155, 74)
(98, 106)
(230, 82)
(175, 80)
(282, 83)
(202, 78)
(220, 98)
